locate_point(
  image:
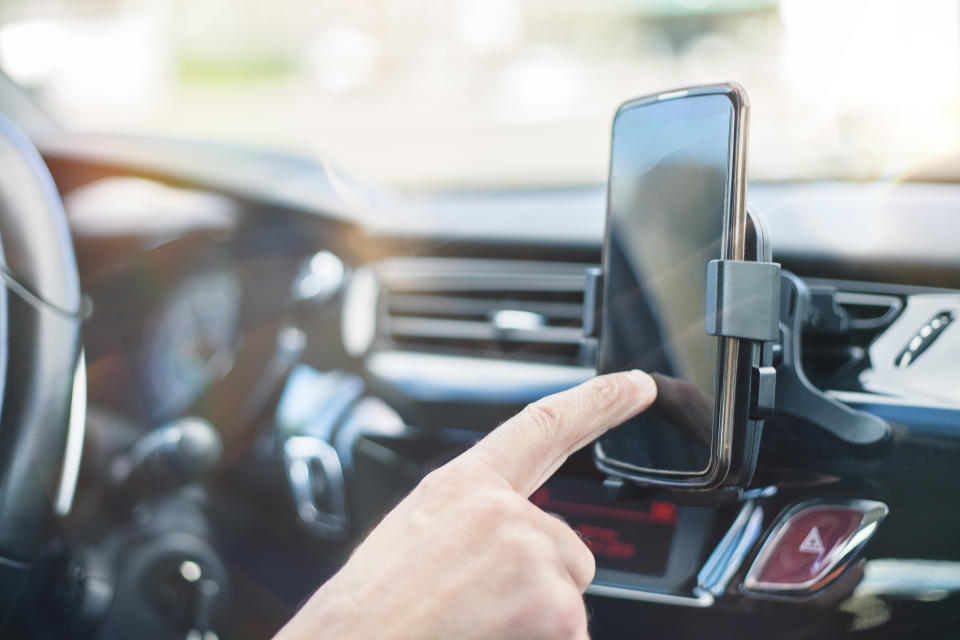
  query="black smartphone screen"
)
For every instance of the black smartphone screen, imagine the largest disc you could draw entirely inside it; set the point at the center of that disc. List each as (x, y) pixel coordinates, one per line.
(668, 195)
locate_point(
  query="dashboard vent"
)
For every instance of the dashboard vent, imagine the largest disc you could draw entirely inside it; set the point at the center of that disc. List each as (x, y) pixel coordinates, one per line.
(508, 309)
(842, 323)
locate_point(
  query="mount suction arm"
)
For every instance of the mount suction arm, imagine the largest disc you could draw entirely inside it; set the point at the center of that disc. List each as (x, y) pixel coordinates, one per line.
(796, 396)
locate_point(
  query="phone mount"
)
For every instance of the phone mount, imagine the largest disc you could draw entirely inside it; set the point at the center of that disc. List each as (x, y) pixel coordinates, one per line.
(764, 307)
(756, 300)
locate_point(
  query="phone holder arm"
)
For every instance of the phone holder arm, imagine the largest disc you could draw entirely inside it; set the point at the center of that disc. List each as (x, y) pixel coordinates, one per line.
(796, 396)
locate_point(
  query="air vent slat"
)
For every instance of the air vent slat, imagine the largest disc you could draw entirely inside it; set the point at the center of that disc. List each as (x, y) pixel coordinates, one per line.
(840, 330)
(410, 304)
(462, 329)
(506, 282)
(512, 309)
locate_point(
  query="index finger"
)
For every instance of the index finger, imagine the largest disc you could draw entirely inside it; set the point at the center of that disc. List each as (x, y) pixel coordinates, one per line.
(526, 449)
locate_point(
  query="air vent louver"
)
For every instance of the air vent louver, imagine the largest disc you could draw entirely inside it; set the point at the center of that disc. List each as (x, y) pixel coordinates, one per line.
(842, 323)
(512, 309)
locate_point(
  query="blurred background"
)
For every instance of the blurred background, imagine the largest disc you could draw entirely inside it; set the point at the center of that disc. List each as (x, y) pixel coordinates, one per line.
(433, 94)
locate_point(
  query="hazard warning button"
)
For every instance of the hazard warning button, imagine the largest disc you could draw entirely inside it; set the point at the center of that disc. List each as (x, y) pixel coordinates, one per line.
(812, 545)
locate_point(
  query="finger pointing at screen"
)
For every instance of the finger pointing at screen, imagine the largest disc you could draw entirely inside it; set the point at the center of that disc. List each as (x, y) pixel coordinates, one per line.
(466, 555)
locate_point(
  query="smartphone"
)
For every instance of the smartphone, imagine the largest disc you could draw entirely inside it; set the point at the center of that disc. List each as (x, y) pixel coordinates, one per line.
(675, 201)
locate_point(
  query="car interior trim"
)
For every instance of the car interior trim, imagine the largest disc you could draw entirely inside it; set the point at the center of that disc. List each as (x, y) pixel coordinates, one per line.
(701, 600)
(864, 398)
(732, 550)
(76, 428)
(303, 457)
(434, 377)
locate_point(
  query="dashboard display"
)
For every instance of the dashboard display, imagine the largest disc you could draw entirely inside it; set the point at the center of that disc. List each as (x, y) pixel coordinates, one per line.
(193, 341)
(635, 539)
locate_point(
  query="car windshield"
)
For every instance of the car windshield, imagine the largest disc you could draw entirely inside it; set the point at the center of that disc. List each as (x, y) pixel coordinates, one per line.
(491, 93)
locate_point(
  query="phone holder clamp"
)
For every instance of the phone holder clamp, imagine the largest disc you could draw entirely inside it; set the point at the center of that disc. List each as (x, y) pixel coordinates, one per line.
(743, 300)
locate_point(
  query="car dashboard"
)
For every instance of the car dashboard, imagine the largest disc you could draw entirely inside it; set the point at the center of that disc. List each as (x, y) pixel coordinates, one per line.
(344, 342)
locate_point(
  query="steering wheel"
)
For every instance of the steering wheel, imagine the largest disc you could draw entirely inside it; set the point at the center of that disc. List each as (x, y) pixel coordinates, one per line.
(39, 359)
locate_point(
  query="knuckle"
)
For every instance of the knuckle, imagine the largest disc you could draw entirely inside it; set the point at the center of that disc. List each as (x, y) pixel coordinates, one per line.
(543, 415)
(439, 489)
(587, 568)
(434, 484)
(579, 560)
(418, 522)
(493, 508)
(590, 565)
(569, 619)
(531, 609)
(526, 548)
(554, 611)
(432, 480)
(502, 501)
(609, 390)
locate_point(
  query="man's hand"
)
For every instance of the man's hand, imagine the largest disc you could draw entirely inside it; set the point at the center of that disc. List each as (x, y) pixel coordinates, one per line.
(466, 555)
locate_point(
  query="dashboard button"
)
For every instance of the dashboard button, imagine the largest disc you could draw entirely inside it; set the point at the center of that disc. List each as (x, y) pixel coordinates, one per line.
(812, 544)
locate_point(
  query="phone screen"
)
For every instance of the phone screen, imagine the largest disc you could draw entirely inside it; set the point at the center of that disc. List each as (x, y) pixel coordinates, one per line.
(668, 195)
